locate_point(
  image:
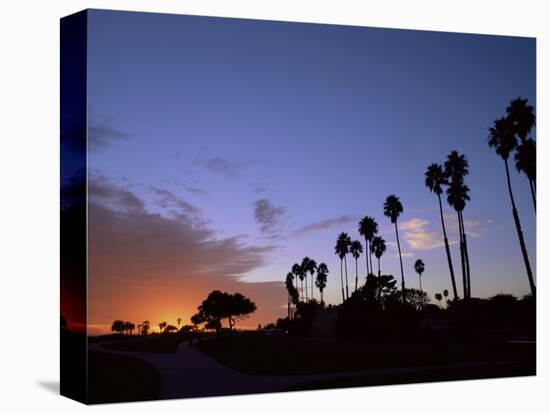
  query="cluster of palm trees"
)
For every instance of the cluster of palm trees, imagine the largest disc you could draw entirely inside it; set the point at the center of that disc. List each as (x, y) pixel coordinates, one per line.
(298, 290)
(142, 328)
(508, 134)
(374, 245)
(451, 175)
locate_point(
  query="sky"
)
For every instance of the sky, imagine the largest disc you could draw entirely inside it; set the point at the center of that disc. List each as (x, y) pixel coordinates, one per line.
(221, 151)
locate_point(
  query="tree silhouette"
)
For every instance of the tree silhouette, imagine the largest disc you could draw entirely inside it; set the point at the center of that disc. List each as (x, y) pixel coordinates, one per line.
(356, 249)
(503, 140)
(179, 323)
(438, 297)
(456, 168)
(309, 266)
(145, 326)
(293, 295)
(321, 280)
(446, 294)
(162, 326)
(522, 117)
(435, 180)
(419, 268)
(393, 209)
(342, 249)
(299, 273)
(526, 163)
(117, 326)
(378, 247)
(222, 305)
(368, 228)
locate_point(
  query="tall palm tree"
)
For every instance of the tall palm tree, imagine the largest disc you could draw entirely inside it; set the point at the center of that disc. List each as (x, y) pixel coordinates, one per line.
(342, 249)
(456, 168)
(305, 267)
(356, 249)
(393, 209)
(419, 268)
(299, 273)
(368, 228)
(445, 294)
(378, 247)
(309, 266)
(321, 280)
(435, 180)
(502, 139)
(179, 323)
(526, 162)
(522, 117)
(457, 197)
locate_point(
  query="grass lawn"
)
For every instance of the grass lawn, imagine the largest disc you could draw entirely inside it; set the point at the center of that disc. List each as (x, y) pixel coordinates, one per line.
(118, 378)
(153, 343)
(257, 354)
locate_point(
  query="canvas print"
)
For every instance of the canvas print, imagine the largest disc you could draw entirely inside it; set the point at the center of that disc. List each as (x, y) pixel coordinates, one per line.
(257, 206)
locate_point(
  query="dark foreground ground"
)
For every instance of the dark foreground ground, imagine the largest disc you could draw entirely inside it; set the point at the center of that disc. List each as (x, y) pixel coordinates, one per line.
(125, 373)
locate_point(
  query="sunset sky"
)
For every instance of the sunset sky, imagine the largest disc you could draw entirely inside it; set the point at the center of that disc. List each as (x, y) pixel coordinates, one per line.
(221, 151)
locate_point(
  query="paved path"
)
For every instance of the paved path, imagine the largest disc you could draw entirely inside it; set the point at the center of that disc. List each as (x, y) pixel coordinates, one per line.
(191, 373)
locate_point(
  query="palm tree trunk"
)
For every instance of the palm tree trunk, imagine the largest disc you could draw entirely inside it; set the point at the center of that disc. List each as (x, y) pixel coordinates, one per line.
(342, 279)
(312, 284)
(379, 285)
(356, 271)
(462, 258)
(288, 306)
(401, 264)
(367, 246)
(520, 233)
(466, 257)
(370, 259)
(533, 194)
(306, 286)
(449, 259)
(346, 267)
(420, 282)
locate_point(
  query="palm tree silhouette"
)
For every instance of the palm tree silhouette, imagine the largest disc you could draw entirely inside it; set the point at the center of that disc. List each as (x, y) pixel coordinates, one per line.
(305, 268)
(179, 323)
(522, 117)
(162, 326)
(456, 168)
(435, 179)
(309, 265)
(378, 247)
(526, 162)
(356, 249)
(299, 273)
(503, 140)
(368, 228)
(342, 249)
(445, 293)
(393, 209)
(321, 280)
(419, 268)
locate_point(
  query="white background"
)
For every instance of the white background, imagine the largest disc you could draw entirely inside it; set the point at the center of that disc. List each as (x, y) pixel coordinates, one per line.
(29, 180)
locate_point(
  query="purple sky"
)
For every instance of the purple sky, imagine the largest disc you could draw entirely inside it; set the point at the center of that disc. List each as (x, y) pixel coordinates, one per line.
(281, 135)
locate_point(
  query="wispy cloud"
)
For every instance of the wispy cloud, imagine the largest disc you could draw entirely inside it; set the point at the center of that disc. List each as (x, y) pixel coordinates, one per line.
(226, 167)
(325, 224)
(269, 217)
(101, 133)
